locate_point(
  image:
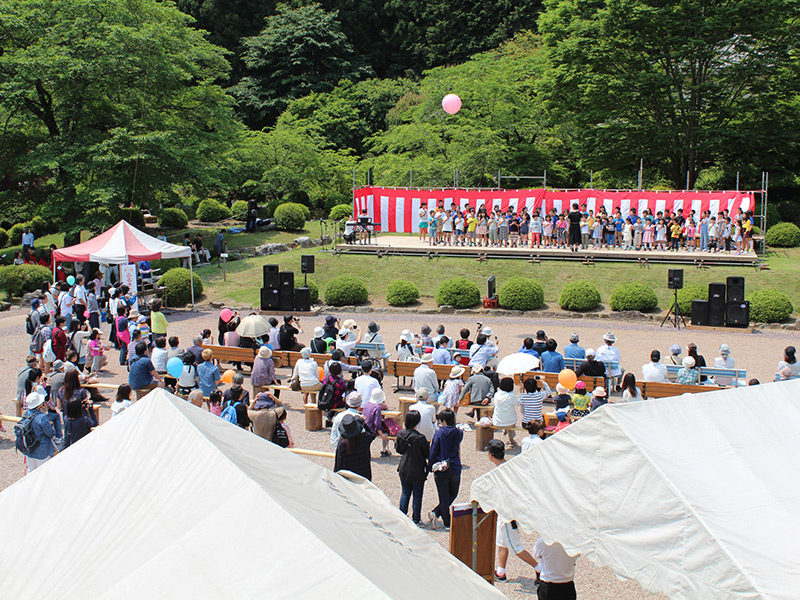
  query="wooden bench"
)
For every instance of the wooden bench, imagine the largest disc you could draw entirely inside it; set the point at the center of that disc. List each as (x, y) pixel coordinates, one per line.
(455, 352)
(732, 375)
(292, 358)
(657, 389)
(401, 370)
(551, 379)
(313, 416)
(574, 363)
(378, 347)
(232, 354)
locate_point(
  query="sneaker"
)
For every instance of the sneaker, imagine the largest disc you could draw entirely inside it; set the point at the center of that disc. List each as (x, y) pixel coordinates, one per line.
(499, 577)
(385, 453)
(433, 521)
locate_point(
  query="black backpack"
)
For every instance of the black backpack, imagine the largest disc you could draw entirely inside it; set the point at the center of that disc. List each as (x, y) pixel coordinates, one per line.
(280, 437)
(26, 440)
(30, 328)
(325, 396)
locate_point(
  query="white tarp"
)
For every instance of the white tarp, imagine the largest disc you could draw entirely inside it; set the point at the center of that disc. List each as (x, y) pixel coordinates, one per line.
(170, 501)
(693, 496)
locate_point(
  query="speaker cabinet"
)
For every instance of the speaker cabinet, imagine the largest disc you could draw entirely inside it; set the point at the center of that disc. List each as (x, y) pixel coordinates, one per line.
(307, 263)
(302, 299)
(735, 289)
(270, 269)
(286, 280)
(270, 299)
(675, 279)
(716, 304)
(271, 281)
(286, 296)
(699, 312)
(737, 314)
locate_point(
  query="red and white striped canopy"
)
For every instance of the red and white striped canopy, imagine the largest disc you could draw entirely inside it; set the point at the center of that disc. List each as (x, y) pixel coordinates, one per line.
(122, 244)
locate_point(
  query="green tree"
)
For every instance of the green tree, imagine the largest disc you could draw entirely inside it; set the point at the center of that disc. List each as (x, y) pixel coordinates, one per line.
(681, 84)
(299, 51)
(116, 101)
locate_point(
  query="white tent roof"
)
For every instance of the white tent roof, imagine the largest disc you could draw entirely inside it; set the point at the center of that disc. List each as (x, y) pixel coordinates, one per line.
(693, 496)
(122, 244)
(170, 501)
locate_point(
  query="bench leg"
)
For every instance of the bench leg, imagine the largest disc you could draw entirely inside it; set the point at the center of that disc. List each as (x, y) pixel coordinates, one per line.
(313, 419)
(483, 435)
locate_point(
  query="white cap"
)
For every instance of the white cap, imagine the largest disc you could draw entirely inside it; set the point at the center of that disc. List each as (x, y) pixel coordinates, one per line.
(406, 335)
(318, 332)
(344, 332)
(688, 362)
(724, 349)
(487, 331)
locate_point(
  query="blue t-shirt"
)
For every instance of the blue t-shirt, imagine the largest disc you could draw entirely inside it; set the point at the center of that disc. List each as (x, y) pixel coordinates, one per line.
(552, 362)
(574, 351)
(207, 377)
(618, 223)
(140, 375)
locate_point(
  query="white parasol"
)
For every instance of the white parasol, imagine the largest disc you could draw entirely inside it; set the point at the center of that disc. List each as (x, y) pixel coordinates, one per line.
(253, 326)
(519, 362)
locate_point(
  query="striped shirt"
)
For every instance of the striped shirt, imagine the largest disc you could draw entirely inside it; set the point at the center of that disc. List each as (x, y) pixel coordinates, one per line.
(532, 405)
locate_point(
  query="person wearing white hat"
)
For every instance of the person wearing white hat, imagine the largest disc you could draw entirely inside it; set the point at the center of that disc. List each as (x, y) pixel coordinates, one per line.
(724, 361)
(479, 387)
(591, 367)
(599, 397)
(353, 400)
(373, 417)
(425, 377)
(346, 342)
(263, 372)
(38, 432)
(317, 344)
(427, 413)
(607, 353)
(406, 352)
(688, 374)
(451, 392)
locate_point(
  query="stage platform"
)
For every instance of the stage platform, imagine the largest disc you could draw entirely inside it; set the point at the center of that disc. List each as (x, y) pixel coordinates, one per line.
(406, 245)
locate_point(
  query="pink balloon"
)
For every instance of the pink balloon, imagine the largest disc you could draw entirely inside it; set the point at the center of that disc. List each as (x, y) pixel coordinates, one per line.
(225, 314)
(451, 104)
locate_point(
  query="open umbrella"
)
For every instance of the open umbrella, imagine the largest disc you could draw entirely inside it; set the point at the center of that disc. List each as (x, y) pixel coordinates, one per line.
(253, 326)
(519, 362)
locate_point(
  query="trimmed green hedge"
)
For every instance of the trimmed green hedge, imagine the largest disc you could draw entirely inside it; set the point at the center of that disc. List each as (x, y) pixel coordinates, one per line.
(211, 211)
(16, 280)
(633, 296)
(179, 288)
(521, 293)
(313, 289)
(345, 290)
(39, 226)
(291, 216)
(459, 292)
(579, 296)
(15, 233)
(173, 217)
(693, 291)
(239, 210)
(3, 238)
(770, 306)
(783, 235)
(341, 211)
(401, 293)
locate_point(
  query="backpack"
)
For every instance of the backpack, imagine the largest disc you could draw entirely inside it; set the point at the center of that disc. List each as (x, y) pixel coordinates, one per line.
(30, 328)
(280, 437)
(229, 414)
(318, 346)
(47, 351)
(41, 335)
(26, 440)
(325, 396)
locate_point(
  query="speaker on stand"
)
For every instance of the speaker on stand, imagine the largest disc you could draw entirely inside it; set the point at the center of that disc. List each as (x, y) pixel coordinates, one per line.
(674, 283)
(716, 304)
(306, 267)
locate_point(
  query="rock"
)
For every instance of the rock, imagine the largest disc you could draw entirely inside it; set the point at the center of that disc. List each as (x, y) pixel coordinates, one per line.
(15, 307)
(5, 306)
(446, 309)
(27, 298)
(363, 309)
(216, 304)
(303, 241)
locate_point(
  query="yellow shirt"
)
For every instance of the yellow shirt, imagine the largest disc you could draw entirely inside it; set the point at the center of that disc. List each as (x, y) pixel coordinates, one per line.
(472, 223)
(158, 322)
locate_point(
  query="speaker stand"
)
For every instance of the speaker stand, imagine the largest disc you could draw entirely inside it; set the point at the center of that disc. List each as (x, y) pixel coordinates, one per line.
(674, 315)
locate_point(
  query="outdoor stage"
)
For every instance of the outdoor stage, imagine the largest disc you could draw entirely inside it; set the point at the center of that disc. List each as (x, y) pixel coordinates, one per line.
(410, 245)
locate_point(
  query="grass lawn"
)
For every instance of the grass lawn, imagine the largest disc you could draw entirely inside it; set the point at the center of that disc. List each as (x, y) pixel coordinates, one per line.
(244, 277)
(240, 240)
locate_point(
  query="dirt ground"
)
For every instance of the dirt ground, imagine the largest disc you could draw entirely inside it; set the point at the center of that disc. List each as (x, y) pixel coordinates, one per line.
(757, 352)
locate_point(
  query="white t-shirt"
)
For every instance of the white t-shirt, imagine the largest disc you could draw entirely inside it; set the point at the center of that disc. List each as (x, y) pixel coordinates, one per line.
(530, 442)
(427, 419)
(188, 376)
(556, 565)
(159, 359)
(65, 303)
(505, 409)
(118, 407)
(307, 370)
(273, 338)
(80, 295)
(655, 372)
(346, 346)
(365, 384)
(606, 353)
(628, 397)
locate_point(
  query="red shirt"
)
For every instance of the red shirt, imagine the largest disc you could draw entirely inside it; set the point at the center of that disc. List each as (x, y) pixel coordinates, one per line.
(59, 343)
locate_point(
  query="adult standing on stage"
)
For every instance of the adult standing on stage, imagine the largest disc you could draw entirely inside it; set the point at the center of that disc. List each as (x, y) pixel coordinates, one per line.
(574, 218)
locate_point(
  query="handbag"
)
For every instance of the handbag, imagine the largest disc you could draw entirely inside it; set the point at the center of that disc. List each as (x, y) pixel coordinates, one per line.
(390, 426)
(280, 437)
(294, 384)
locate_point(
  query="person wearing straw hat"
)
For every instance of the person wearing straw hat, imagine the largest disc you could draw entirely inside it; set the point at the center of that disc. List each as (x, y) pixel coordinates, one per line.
(43, 447)
(451, 393)
(724, 361)
(608, 353)
(599, 397)
(479, 387)
(353, 401)
(373, 417)
(263, 373)
(406, 352)
(425, 377)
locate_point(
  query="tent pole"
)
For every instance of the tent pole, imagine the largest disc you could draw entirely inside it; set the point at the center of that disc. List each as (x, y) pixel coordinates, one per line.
(191, 278)
(474, 536)
(54, 269)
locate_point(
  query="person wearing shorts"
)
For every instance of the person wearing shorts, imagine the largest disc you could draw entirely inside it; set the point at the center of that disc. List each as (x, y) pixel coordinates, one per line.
(423, 224)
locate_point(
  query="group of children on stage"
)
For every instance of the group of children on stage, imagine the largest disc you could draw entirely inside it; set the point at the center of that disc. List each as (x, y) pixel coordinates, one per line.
(664, 231)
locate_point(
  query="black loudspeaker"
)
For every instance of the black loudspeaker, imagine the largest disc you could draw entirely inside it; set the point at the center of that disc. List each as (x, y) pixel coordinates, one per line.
(716, 304)
(270, 269)
(735, 289)
(286, 279)
(286, 299)
(302, 299)
(307, 263)
(737, 314)
(491, 287)
(699, 312)
(675, 279)
(271, 281)
(270, 299)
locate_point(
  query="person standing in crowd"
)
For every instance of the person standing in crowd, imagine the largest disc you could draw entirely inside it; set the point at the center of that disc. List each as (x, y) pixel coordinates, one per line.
(573, 350)
(445, 464)
(352, 451)
(158, 322)
(414, 451)
(425, 377)
(92, 304)
(427, 413)
(43, 448)
(556, 571)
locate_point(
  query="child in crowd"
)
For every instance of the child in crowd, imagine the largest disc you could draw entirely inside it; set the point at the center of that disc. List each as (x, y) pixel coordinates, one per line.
(122, 401)
(215, 402)
(690, 230)
(547, 231)
(581, 400)
(531, 399)
(208, 340)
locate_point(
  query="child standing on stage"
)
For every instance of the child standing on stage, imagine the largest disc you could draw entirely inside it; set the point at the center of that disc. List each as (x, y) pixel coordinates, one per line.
(524, 228)
(547, 231)
(432, 223)
(472, 225)
(627, 234)
(691, 231)
(458, 225)
(423, 224)
(482, 229)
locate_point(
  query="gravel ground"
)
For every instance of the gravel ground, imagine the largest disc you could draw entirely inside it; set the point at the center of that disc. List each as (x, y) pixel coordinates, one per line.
(757, 352)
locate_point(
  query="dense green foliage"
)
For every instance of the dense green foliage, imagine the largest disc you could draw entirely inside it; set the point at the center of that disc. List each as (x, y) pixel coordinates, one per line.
(770, 306)
(179, 290)
(633, 296)
(783, 235)
(459, 292)
(212, 211)
(693, 291)
(580, 296)
(16, 280)
(291, 216)
(521, 293)
(173, 217)
(345, 290)
(3, 238)
(239, 210)
(401, 293)
(340, 212)
(15, 233)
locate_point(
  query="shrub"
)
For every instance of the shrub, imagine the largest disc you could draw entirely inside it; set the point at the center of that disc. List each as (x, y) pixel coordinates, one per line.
(165, 264)
(3, 238)
(239, 210)
(179, 289)
(579, 295)
(521, 293)
(269, 209)
(345, 290)
(173, 217)
(458, 293)
(211, 211)
(341, 211)
(401, 293)
(783, 235)
(770, 306)
(313, 289)
(693, 291)
(16, 280)
(15, 233)
(291, 216)
(633, 296)
(39, 226)
(189, 209)
(134, 216)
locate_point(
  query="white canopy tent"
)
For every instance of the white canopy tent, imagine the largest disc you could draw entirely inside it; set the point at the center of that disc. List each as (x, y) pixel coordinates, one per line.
(123, 244)
(693, 496)
(170, 501)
